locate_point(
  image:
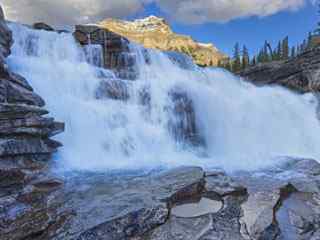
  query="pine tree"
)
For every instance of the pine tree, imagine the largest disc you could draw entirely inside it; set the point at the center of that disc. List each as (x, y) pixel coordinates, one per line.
(253, 61)
(260, 57)
(265, 52)
(309, 38)
(236, 65)
(245, 58)
(279, 51)
(228, 66)
(293, 52)
(317, 31)
(285, 48)
(304, 45)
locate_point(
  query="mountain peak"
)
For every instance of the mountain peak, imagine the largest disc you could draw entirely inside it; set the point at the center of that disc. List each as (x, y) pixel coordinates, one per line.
(155, 32)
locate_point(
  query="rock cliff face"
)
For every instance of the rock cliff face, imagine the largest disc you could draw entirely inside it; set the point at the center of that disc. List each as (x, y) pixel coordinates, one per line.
(25, 151)
(154, 32)
(300, 73)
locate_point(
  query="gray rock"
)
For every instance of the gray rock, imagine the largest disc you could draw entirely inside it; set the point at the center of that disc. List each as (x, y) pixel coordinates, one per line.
(11, 177)
(114, 89)
(299, 73)
(1, 14)
(217, 182)
(34, 126)
(131, 207)
(27, 203)
(18, 94)
(18, 111)
(20, 145)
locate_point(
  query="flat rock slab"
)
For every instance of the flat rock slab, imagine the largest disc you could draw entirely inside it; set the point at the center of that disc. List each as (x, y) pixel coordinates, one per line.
(119, 207)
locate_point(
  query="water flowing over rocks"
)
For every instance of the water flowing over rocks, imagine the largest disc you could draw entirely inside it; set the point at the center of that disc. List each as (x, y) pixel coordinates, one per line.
(300, 73)
(119, 57)
(116, 52)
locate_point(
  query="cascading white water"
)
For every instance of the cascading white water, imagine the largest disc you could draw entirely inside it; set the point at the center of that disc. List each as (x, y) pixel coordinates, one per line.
(244, 127)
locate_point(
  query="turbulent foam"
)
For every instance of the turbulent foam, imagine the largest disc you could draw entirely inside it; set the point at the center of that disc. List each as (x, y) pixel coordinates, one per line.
(244, 127)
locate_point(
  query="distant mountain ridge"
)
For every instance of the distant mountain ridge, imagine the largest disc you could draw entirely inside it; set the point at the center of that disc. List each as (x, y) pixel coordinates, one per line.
(154, 32)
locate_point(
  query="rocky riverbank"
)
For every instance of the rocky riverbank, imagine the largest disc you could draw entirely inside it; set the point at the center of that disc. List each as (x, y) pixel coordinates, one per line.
(300, 73)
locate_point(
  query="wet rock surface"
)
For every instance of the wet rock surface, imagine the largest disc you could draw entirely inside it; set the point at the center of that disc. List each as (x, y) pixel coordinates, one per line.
(273, 204)
(183, 124)
(25, 151)
(116, 49)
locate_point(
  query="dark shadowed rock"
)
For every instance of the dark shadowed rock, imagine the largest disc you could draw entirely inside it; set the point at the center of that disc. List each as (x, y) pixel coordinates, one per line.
(1, 14)
(114, 89)
(183, 125)
(42, 26)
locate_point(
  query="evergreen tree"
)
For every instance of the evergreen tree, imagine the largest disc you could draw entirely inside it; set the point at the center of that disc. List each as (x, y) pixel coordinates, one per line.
(236, 65)
(228, 66)
(260, 57)
(285, 48)
(309, 38)
(293, 52)
(277, 53)
(304, 45)
(253, 61)
(245, 58)
(317, 31)
(265, 57)
(298, 49)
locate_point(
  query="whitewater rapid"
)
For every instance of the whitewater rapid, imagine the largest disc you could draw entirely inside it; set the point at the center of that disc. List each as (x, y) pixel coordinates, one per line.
(244, 126)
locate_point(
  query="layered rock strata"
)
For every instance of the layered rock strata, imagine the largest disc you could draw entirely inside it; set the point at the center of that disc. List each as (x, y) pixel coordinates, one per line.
(25, 150)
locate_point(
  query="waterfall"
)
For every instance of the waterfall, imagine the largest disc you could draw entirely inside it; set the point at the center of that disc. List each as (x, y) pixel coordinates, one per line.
(238, 125)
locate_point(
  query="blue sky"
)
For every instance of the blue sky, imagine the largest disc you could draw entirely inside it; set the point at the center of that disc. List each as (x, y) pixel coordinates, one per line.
(251, 31)
(222, 22)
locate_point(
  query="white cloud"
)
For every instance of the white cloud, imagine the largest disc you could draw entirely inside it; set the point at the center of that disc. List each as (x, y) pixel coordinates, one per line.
(201, 11)
(69, 12)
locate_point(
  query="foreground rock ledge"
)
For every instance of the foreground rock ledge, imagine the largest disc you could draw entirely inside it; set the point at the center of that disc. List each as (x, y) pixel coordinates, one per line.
(125, 206)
